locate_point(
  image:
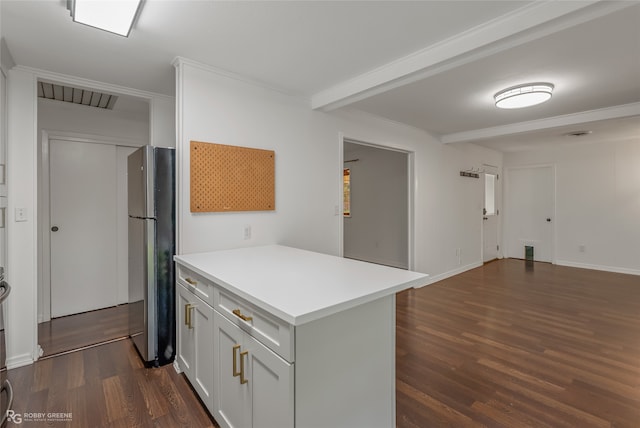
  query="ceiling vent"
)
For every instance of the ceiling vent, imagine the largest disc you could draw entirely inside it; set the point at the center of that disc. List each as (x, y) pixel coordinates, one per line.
(578, 133)
(68, 94)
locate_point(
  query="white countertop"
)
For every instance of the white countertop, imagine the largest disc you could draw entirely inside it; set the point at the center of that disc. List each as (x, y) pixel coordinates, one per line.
(299, 286)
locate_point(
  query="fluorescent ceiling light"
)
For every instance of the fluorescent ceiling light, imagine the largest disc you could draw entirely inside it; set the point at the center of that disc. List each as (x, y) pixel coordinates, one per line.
(528, 94)
(115, 16)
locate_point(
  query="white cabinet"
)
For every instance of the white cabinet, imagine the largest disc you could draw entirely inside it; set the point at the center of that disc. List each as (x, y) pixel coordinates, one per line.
(300, 339)
(254, 386)
(195, 353)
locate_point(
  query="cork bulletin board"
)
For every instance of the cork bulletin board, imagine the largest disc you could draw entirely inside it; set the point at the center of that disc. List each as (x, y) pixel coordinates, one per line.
(230, 178)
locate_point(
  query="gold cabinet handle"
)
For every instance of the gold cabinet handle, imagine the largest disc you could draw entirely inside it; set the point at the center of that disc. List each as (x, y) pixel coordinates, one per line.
(191, 281)
(187, 314)
(235, 366)
(239, 314)
(242, 378)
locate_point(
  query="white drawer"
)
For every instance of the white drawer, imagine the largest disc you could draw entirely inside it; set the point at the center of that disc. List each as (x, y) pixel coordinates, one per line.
(197, 284)
(269, 330)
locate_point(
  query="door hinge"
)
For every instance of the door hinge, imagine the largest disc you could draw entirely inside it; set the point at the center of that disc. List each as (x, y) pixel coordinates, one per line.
(498, 247)
(497, 212)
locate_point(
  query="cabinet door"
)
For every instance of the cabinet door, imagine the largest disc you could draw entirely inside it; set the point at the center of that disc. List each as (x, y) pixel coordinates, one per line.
(202, 321)
(265, 399)
(195, 343)
(270, 380)
(231, 398)
(186, 343)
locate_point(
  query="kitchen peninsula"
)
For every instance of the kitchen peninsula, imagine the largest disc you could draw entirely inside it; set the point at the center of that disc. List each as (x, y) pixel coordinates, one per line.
(282, 337)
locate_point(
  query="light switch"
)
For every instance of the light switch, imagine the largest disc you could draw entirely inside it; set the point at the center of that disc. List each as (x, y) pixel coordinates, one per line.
(21, 214)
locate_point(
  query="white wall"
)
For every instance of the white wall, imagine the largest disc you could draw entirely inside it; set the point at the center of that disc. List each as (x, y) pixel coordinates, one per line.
(377, 230)
(21, 249)
(597, 202)
(59, 116)
(163, 121)
(216, 108)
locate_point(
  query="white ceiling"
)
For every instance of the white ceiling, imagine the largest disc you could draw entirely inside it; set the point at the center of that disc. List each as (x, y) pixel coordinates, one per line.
(434, 65)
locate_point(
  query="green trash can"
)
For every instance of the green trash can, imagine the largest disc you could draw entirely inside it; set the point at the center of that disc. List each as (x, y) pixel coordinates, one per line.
(528, 253)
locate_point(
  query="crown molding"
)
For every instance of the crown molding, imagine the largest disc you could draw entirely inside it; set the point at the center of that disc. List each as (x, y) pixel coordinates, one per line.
(66, 79)
(179, 61)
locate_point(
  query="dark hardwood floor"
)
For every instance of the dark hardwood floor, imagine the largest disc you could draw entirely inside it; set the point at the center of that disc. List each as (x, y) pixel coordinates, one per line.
(507, 345)
(85, 329)
(105, 386)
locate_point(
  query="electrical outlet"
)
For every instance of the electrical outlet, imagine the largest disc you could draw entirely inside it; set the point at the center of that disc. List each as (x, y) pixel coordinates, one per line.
(582, 248)
(247, 232)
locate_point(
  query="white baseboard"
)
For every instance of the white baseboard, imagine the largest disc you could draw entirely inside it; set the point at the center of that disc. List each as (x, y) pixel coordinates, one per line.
(449, 274)
(613, 269)
(19, 361)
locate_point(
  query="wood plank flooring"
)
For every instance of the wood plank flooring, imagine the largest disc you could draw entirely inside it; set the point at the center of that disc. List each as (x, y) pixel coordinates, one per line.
(88, 328)
(106, 386)
(504, 345)
(517, 345)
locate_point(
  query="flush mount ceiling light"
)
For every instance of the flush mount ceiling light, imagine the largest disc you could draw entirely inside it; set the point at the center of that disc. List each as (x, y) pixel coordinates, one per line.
(528, 94)
(114, 16)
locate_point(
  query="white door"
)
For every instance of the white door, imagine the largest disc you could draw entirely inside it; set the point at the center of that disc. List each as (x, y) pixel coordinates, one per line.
(490, 218)
(83, 226)
(530, 211)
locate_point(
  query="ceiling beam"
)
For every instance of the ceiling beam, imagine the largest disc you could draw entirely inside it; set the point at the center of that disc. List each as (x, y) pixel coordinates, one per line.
(622, 111)
(531, 22)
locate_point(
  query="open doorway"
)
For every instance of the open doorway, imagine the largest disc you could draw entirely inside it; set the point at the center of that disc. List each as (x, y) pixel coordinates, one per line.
(83, 148)
(377, 200)
(490, 214)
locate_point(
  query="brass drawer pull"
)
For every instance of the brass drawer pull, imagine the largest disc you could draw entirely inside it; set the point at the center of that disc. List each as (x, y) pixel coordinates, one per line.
(191, 281)
(235, 366)
(239, 314)
(187, 314)
(242, 378)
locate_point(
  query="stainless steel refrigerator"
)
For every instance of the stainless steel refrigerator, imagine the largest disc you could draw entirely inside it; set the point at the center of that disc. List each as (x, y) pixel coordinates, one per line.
(151, 205)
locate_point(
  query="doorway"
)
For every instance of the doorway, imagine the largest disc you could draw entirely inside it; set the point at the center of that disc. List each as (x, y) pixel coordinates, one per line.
(377, 201)
(84, 242)
(490, 214)
(82, 211)
(530, 197)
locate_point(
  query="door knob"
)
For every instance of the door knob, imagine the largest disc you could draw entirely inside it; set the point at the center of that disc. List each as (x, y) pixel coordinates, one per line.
(54, 229)
(549, 220)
